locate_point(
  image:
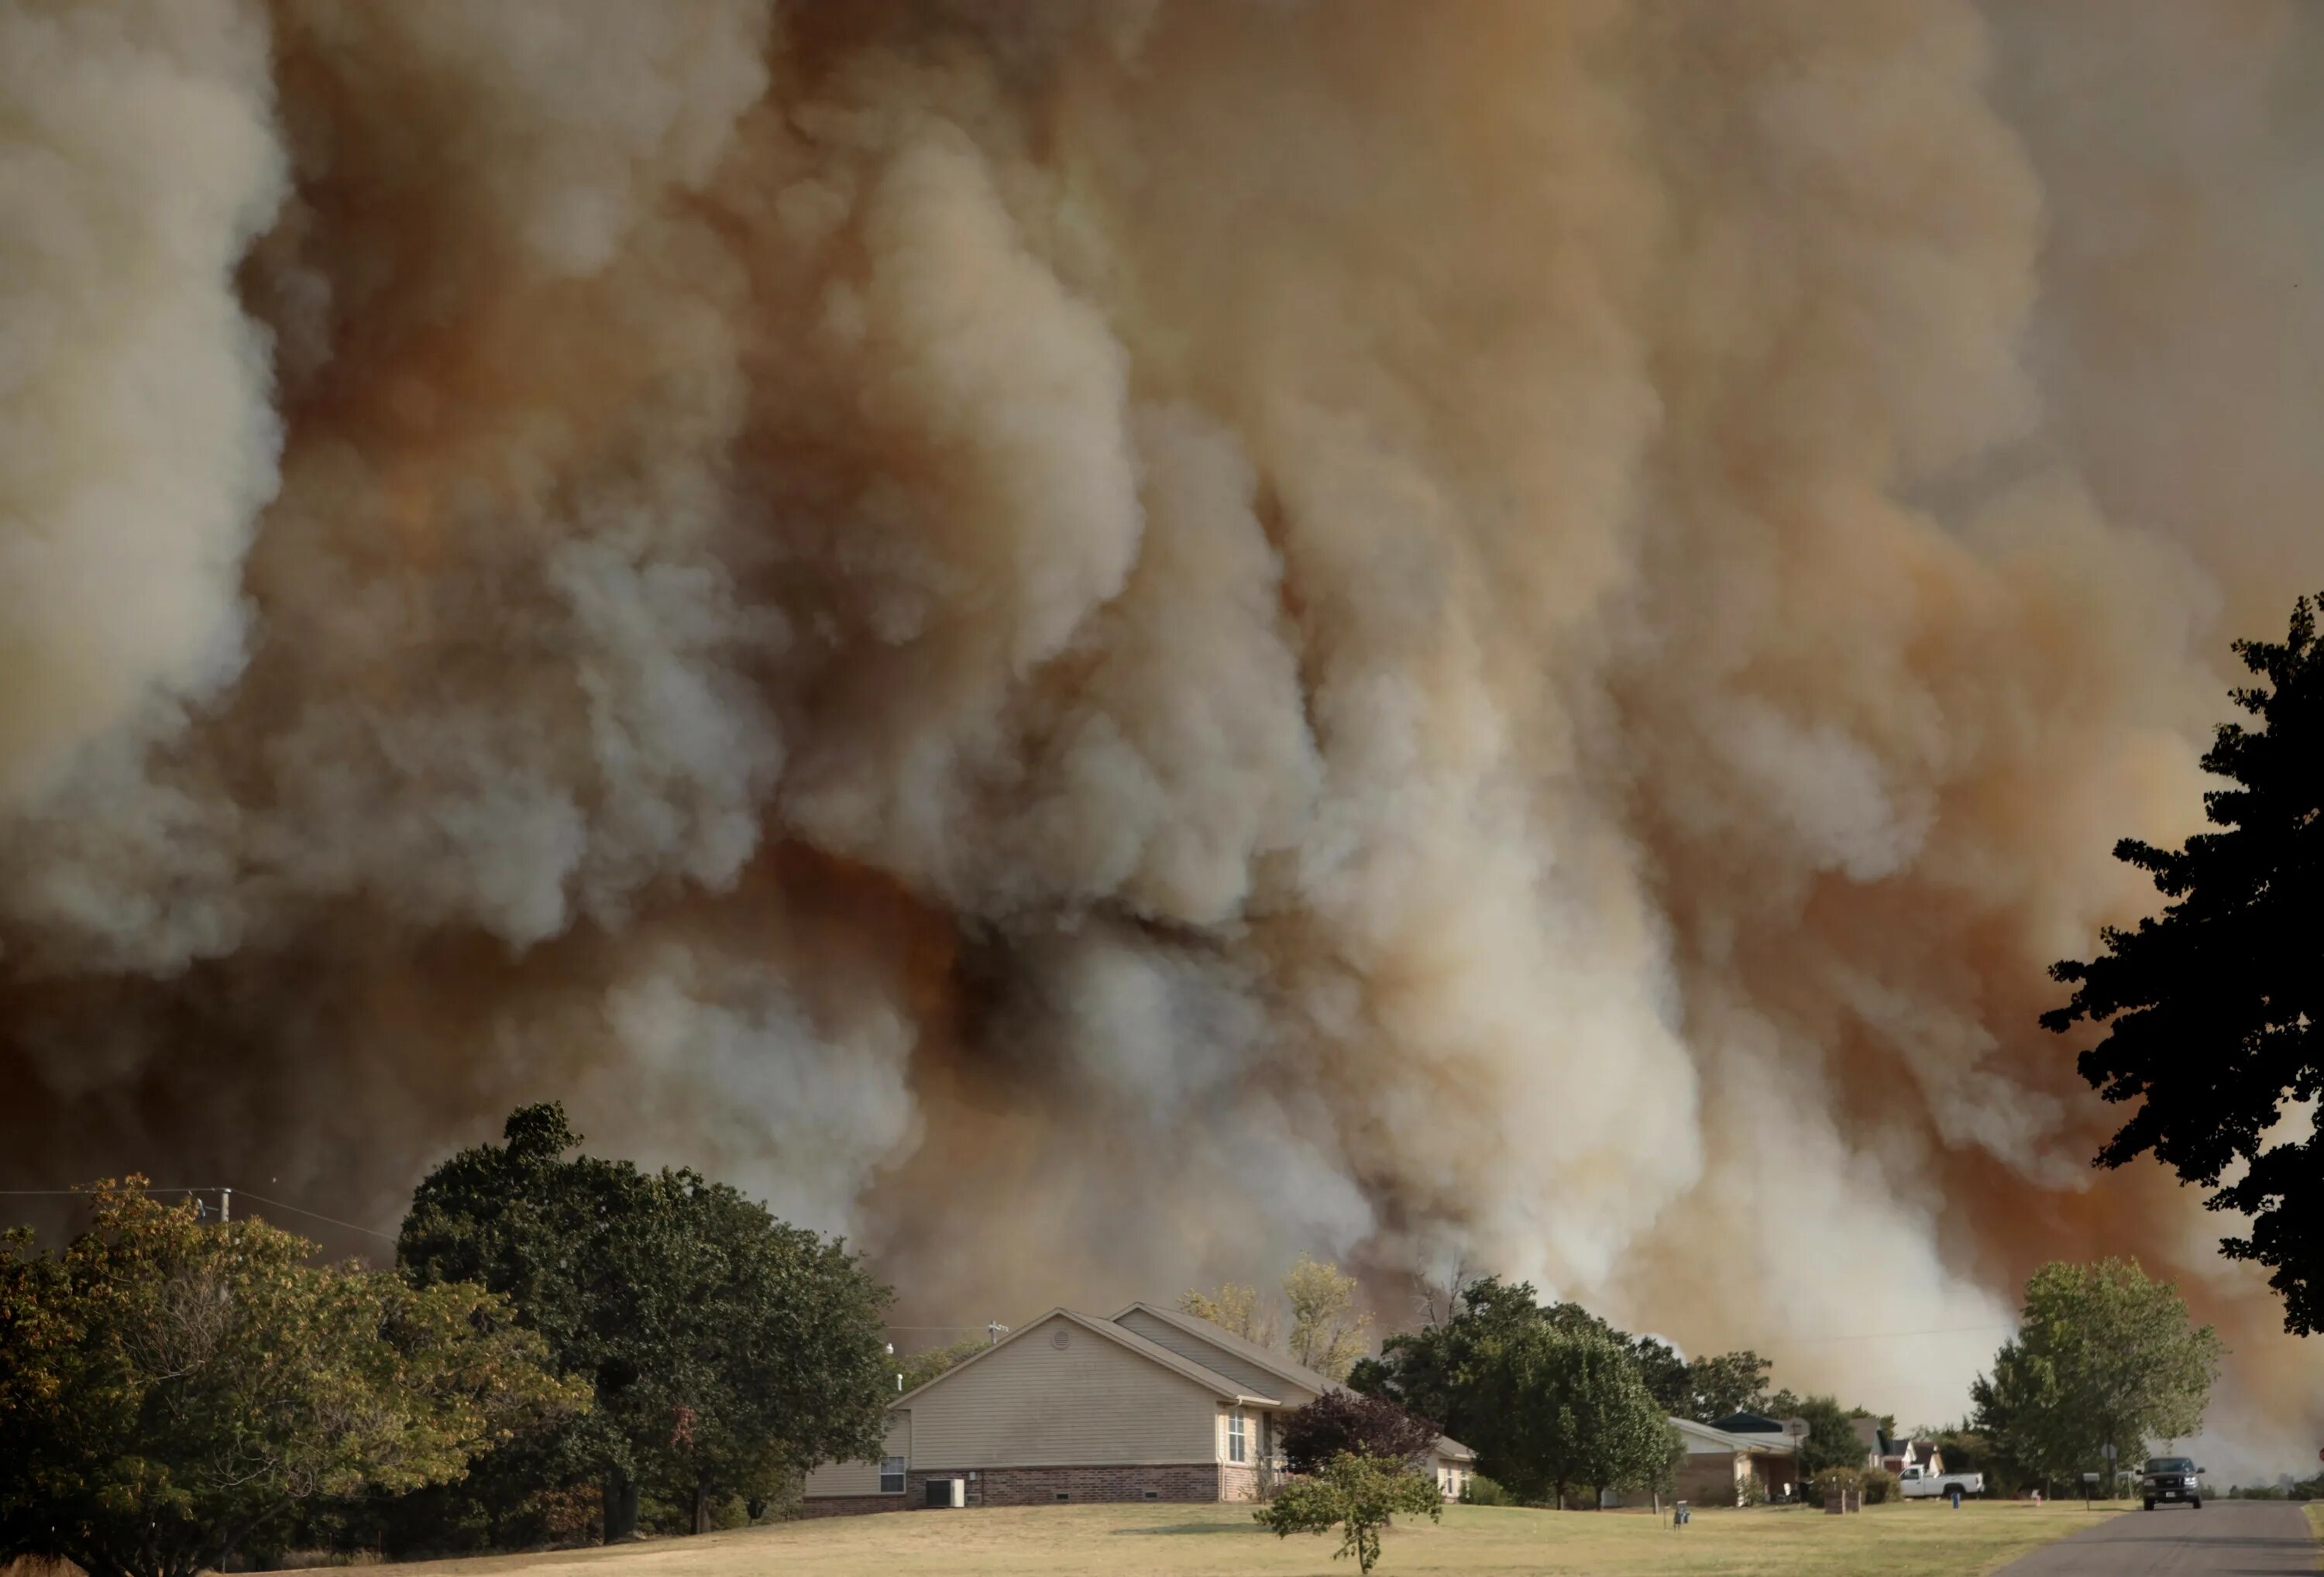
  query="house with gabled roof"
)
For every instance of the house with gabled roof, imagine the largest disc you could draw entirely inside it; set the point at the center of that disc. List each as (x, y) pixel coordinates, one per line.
(1151, 1405)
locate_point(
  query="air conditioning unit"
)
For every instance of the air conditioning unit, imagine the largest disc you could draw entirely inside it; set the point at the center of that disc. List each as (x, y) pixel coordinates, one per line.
(947, 1492)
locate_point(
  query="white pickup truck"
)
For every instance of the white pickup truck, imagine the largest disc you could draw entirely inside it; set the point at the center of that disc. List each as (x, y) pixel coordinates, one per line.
(1920, 1484)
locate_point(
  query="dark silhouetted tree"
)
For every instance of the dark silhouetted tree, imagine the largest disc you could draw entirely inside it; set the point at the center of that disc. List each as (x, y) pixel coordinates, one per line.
(2214, 1012)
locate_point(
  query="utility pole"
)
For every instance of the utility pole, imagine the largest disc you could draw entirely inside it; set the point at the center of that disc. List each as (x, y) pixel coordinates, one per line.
(226, 1205)
(994, 1332)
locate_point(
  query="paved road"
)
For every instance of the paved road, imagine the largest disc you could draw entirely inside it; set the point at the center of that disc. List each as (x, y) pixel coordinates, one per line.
(2226, 1539)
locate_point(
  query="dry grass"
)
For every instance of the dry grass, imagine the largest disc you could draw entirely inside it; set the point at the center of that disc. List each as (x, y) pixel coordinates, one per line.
(2315, 1510)
(1190, 1541)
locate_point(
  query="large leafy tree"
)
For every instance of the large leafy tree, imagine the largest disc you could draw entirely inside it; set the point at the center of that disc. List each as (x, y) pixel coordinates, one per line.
(725, 1349)
(1432, 1371)
(1557, 1408)
(170, 1386)
(1724, 1383)
(1435, 1371)
(2214, 1012)
(2104, 1355)
(1831, 1439)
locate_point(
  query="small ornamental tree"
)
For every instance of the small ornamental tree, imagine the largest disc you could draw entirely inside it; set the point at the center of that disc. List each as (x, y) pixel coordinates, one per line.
(1358, 1494)
(1344, 1420)
(170, 1388)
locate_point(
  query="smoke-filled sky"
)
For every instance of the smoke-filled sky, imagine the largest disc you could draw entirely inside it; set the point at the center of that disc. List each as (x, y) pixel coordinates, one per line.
(1100, 641)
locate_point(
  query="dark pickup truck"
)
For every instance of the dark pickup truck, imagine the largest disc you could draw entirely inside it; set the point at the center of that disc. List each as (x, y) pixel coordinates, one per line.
(2171, 1478)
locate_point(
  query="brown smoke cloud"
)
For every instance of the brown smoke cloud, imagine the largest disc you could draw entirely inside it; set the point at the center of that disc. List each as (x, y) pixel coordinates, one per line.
(1100, 641)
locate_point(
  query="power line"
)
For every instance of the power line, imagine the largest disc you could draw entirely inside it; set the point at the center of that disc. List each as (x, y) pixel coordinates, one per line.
(213, 1188)
(317, 1215)
(69, 1193)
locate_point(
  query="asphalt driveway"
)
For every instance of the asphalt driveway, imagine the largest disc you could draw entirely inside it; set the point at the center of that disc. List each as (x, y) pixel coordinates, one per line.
(2226, 1539)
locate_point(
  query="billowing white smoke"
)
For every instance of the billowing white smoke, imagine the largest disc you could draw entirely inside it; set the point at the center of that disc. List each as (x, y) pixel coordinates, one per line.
(1100, 642)
(137, 443)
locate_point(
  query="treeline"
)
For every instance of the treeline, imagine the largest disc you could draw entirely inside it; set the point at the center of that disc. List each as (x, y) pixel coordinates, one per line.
(1554, 1399)
(567, 1347)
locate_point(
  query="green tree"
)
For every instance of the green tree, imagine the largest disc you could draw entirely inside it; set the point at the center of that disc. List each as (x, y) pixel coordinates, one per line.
(1551, 1409)
(1831, 1439)
(1724, 1383)
(921, 1367)
(2214, 1013)
(168, 1387)
(1964, 1449)
(1434, 1371)
(1666, 1375)
(1327, 1334)
(1358, 1494)
(2104, 1355)
(727, 1352)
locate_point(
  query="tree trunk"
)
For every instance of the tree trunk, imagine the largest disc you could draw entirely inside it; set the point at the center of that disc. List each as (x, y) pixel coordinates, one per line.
(620, 1506)
(702, 1508)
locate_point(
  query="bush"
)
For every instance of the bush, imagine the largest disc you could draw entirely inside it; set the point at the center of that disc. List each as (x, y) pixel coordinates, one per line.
(1880, 1485)
(1481, 1490)
(1832, 1480)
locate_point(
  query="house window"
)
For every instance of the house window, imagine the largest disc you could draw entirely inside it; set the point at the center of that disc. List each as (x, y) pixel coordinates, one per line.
(892, 1475)
(1238, 1437)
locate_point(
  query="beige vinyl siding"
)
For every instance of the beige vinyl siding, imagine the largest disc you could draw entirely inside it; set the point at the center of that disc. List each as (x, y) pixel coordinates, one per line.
(1253, 1430)
(1091, 1403)
(1258, 1381)
(863, 1477)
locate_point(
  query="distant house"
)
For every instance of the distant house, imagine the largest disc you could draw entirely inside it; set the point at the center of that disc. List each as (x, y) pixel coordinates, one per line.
(1151, 1405)
(1723, 1466)
(1455, 1465)
(1747, 1423)
(1896, 1453)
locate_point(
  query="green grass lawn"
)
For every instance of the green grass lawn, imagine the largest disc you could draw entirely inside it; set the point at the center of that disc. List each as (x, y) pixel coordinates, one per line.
(1193, 1540)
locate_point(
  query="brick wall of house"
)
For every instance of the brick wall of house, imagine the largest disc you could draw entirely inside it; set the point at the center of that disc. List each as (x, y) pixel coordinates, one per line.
(1707, 1479)
(1183, 1483)
(1041, 1486)
(852, 1505)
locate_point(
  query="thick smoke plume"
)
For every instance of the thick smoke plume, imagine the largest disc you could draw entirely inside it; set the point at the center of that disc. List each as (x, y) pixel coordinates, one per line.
(1100, 641)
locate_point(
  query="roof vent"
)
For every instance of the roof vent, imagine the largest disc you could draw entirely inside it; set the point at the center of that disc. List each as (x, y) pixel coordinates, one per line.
(1061, 1338)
